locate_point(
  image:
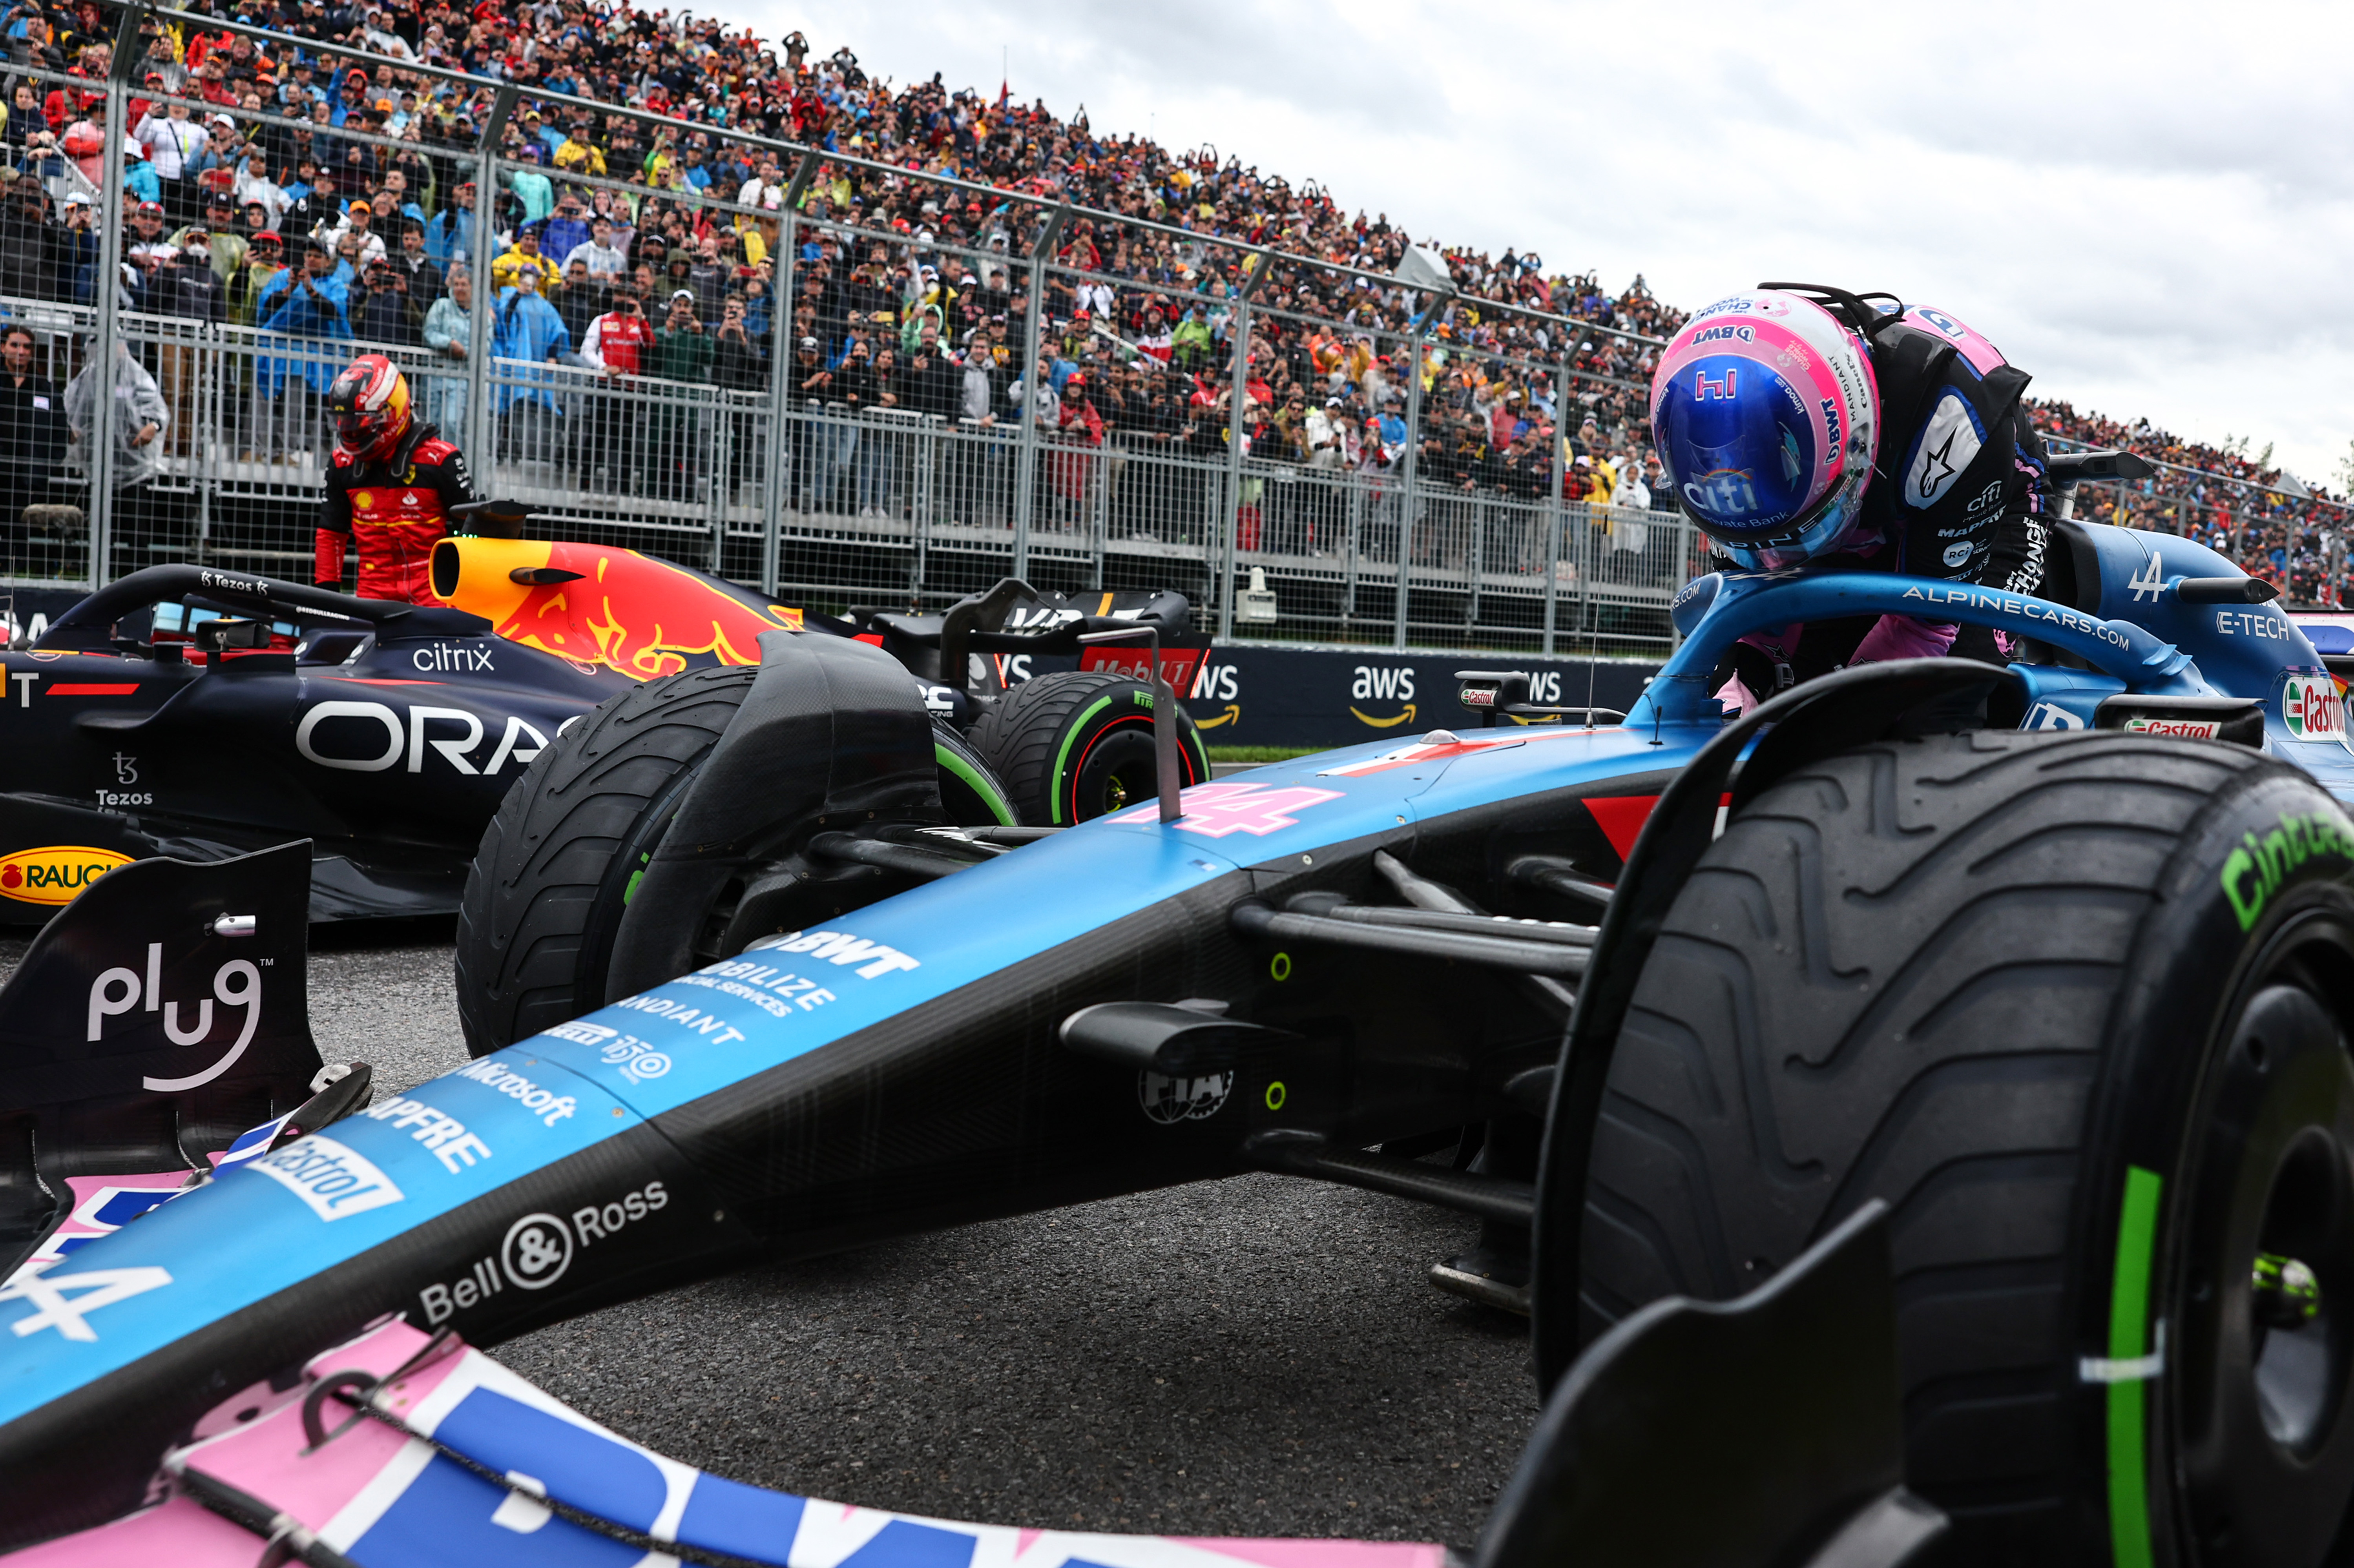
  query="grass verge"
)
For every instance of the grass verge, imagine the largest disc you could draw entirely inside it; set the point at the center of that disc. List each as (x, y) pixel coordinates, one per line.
(1262, 753)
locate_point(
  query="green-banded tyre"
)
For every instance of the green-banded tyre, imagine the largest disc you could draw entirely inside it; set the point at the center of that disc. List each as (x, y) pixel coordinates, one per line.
(544, 896)
(556, 867)
(2075, 1008)
(1075, 744)
(970, 792)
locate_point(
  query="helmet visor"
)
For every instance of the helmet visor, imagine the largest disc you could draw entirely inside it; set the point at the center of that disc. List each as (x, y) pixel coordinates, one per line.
(1738, 441)
(357, 430)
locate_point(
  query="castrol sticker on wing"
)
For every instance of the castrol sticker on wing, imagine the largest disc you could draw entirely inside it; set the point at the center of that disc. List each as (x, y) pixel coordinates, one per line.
(2180, 728)
(2311, 708)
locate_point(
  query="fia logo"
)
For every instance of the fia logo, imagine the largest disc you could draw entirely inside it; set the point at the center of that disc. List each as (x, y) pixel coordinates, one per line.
(1169, 1100)
(2151, 579)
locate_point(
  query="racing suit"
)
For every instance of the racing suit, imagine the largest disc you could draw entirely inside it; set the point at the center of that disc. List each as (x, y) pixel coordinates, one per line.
(1959, 493)
(394, 510)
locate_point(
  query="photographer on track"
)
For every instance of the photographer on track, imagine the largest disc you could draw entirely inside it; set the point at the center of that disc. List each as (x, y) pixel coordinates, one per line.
(1806, 426)
(389, 489)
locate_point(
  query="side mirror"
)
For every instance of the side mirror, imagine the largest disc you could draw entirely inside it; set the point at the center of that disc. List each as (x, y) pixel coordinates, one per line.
(213, 636)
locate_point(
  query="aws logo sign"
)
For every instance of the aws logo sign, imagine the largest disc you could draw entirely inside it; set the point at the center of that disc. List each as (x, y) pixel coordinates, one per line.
(1381, 685)
(55, 874)
(1215, 684)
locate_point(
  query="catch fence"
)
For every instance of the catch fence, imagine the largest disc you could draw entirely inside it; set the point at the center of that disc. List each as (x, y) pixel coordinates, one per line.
(756, 442)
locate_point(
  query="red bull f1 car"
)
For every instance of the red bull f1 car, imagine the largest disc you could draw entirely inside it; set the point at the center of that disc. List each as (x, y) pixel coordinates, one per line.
(2054, 961)
(191, 712)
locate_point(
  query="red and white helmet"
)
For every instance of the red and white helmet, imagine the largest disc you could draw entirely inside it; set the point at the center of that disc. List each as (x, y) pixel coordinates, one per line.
(369, 402)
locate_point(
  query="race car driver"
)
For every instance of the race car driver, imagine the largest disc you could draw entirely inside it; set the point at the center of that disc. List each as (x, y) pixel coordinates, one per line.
(1807, 427)
(390, 487)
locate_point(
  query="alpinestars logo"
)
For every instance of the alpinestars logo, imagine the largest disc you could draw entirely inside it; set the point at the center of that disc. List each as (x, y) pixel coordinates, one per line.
(1948, 446)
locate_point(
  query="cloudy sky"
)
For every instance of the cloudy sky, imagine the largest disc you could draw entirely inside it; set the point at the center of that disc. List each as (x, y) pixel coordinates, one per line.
(2151, 209)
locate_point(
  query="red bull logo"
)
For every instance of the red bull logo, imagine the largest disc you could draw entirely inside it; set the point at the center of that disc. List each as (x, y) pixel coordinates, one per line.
(632, 613)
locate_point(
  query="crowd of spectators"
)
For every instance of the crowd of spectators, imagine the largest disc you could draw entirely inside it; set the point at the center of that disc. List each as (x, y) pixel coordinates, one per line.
(274, 187)
(2289, 532)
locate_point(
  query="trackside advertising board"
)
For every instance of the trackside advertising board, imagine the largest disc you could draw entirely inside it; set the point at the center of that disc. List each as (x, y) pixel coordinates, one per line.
(1257, 695)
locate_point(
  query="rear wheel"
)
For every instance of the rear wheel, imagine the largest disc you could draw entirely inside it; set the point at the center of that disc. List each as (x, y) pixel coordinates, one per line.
(1076, 744)
(2076, 1009)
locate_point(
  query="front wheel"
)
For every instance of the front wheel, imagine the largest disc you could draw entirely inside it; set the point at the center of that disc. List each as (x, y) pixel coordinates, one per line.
(563, 856)
(1075, 745)
(2076, 1009)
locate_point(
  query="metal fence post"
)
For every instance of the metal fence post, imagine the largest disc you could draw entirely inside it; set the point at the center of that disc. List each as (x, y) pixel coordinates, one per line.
(1234, 507)
(781, 379)
(1025, 481)
(478, 343)
(1406, 487)
(101, 372)
(1560, 466)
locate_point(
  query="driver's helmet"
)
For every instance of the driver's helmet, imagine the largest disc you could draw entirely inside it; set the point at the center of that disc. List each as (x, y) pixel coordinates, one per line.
(1766, 417)
(369, 402)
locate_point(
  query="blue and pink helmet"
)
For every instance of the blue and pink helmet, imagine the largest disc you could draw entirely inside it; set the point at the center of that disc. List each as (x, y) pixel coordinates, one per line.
(1766, 418)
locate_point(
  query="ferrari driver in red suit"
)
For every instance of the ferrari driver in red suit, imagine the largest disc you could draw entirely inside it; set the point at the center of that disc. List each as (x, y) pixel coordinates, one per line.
(390, 488)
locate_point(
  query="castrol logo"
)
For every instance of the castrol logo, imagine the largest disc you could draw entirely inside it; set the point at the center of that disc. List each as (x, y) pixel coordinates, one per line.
(2312, 709)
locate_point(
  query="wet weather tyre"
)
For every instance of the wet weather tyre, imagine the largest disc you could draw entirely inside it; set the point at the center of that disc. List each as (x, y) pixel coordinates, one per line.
(2076, 1009)
(545, 893)
(1076, 744)
(970, 792)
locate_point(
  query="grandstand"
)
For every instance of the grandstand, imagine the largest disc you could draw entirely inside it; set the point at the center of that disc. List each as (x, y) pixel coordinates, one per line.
(846, 306)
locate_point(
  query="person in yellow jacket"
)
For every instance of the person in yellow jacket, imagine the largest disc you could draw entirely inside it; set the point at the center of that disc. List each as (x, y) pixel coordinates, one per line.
(523, 253)
(579, 155)
(1604, 482)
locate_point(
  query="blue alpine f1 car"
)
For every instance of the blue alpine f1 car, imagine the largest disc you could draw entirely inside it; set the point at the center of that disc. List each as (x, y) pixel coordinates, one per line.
(2054, 962)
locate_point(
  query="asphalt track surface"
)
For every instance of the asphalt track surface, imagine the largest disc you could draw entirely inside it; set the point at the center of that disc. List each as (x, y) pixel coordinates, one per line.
(1258, 1356)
